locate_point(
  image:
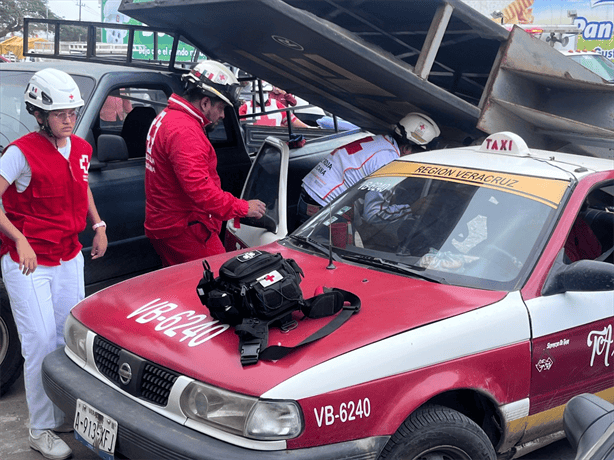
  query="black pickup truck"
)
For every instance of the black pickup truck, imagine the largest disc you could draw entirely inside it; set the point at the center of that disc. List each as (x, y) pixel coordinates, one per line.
(117, 169)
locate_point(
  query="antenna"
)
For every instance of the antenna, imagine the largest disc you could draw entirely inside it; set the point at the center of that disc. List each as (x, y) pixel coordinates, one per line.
(331, 265)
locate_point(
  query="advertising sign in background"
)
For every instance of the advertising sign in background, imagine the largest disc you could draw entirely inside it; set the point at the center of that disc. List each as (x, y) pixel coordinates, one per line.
(143, 41)
(595, 18)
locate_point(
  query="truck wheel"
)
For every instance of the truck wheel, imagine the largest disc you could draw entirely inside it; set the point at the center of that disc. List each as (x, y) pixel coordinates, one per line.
(11, 361)
(438, 433)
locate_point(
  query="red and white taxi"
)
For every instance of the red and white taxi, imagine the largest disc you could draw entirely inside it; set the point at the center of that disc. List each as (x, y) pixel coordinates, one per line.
(487, 288)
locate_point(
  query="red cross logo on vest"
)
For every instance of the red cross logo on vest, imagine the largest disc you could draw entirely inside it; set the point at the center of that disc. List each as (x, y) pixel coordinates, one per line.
(355, 146)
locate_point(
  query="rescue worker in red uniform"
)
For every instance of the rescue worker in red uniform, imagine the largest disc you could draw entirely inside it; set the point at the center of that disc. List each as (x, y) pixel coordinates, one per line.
(287, 99)
(185, 204)
(46, 200)
(273, 102)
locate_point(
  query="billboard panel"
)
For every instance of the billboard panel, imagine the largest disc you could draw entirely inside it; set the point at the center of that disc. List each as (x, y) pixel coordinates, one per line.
(143, 41)
(594, 18)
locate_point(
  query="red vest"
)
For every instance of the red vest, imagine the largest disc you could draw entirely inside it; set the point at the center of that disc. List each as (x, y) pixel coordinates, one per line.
(273, 119)
(53, 208)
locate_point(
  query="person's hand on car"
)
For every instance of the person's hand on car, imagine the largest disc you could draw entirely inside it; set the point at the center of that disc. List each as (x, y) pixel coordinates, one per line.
(256, 209)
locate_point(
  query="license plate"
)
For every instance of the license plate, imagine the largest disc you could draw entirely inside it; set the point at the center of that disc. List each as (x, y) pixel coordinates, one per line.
(96, 430)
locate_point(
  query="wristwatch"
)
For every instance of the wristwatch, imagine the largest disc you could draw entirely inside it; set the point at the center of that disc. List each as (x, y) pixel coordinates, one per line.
(99, 224)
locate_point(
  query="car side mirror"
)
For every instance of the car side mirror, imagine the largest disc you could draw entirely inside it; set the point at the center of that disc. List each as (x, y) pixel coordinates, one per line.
(586, 418)
(580, 276)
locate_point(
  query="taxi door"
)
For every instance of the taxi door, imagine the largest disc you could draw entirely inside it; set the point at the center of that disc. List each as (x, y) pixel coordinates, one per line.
(573, 332)
(267, 181)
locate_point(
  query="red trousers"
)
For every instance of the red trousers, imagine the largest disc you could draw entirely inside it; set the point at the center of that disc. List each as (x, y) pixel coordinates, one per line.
(197, 242)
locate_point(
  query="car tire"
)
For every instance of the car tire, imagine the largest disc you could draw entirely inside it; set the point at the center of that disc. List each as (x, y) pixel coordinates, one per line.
(11, 361)
(435, 432)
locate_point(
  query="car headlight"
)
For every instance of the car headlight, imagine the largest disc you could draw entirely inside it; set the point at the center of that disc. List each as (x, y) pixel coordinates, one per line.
(272, 420)
(75, 336)
(241, 415)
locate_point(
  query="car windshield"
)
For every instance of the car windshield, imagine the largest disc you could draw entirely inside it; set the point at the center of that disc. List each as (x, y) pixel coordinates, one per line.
(598, 64)
(465, 232)
(15, 121)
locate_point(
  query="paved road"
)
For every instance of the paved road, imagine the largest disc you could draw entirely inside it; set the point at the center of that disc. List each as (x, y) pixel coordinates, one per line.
(14, 431)
(14, 434)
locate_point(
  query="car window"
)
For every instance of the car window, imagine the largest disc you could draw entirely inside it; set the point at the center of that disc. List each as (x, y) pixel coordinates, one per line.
(263, 184)
(15, 121)
(590, 236)
(597, 64)
(469, 233)
(129, 112)
(217, 133)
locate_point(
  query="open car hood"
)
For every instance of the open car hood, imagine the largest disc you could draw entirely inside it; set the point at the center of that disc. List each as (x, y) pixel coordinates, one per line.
(372, 62)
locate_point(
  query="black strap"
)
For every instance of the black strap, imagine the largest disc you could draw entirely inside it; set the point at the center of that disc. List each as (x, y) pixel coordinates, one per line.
(253, 337)
(254, 333)
(276, 352)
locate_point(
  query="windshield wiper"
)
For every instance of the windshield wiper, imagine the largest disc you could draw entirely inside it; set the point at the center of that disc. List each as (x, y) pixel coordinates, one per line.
(395, 266)
(314, 244)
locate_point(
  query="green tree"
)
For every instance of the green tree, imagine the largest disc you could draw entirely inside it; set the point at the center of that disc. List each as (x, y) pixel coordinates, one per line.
(12, 13)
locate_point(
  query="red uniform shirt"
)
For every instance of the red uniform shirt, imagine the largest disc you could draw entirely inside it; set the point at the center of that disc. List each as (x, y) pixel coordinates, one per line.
(52, 210)
(273, 119)
(181, 180)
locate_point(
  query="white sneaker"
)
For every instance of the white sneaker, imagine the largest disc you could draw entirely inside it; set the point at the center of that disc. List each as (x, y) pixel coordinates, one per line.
(50, 445)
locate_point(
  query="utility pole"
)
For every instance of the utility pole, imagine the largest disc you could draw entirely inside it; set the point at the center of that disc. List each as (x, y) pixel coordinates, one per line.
(80, 2)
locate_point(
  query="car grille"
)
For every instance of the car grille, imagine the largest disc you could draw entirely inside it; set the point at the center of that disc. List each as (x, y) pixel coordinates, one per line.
(106, 357)
(152, 383)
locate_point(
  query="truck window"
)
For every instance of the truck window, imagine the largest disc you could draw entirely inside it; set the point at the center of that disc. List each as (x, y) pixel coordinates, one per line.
(128, 112)
(15, 121)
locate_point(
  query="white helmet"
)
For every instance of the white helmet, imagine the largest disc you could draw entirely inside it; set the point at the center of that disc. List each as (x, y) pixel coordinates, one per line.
(52, 89)
(417, 128)
(215, 79)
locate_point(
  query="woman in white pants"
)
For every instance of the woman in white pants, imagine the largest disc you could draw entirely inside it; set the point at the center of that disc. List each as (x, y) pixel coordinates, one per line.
(47, 200)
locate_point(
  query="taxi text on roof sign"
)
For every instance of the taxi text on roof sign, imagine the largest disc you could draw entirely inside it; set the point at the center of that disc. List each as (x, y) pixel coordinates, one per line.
(505, 142)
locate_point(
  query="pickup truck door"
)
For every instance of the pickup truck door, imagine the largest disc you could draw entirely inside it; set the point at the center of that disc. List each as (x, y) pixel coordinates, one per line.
(268, 182)
(117, 177)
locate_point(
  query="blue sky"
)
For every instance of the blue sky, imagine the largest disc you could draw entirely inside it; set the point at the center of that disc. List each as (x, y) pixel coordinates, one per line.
(69, 9)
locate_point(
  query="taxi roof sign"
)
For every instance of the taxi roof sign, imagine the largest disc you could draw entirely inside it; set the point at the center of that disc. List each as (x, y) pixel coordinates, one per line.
(505, 142)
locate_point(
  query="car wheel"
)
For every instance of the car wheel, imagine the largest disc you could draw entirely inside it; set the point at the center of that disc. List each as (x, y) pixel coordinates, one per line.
(439, 433)
(11, 360)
